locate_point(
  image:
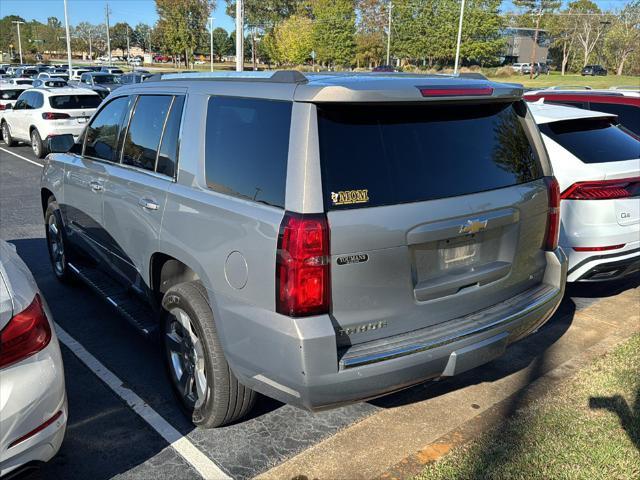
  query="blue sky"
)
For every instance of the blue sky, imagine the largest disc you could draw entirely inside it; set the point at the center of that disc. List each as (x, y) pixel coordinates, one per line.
(136, 11)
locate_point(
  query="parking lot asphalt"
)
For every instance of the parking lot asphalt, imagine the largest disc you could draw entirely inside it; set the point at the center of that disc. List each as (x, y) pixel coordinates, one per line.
(107, 439)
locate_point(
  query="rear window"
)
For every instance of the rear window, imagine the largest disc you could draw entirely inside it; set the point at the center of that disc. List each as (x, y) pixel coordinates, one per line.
(71, 102)
(594, 140)
(628, 115)
(10, 94)
(247, 147)
(384, 155)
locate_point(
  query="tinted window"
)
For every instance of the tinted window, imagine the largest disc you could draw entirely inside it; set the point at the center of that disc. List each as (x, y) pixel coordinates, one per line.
(247, 145)
(102, 134)
(411, 153)
(594, 140)
(38, 100)
(168, 157)
(106, 79)
(628, 115)
(143, 136)
(70, 102)
(10, 94)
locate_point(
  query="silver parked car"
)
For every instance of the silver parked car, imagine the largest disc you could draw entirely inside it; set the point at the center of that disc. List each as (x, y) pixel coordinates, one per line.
(321, 239)
(33, 410)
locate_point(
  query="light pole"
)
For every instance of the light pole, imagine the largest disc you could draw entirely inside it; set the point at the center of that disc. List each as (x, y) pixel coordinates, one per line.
(211, 19)
(17, 22)
(66, 26)
(389, 34)
(455, 66)
(239, 37)
(106, 13)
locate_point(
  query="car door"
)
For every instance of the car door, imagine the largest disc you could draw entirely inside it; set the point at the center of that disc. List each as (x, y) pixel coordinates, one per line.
(86, 177)
(17, 119)
(136, 191)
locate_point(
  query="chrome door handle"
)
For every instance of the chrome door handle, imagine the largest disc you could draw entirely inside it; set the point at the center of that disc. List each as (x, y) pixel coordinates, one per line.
(96, 186)
(148, 204)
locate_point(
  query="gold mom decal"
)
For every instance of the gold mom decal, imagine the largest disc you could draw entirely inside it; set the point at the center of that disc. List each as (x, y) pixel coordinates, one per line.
(349, 197)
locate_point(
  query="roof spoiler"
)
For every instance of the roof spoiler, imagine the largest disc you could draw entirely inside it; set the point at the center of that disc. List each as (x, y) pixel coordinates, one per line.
(270, 76)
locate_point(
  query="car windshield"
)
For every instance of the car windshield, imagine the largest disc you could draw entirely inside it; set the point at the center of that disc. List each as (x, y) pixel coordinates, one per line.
(594, 140)
(106, 79)
(70, 102)
(10, 94)
(24, 82)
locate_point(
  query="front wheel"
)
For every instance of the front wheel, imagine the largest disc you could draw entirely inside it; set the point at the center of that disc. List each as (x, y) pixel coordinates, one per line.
(201, 378)
(58, 252)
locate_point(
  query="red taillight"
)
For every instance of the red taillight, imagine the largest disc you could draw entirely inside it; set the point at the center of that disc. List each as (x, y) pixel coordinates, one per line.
(2, 106)
(26, 334)
(603, 189)
(455, 91)
(302, 266)
(553, 218)
(55, 116)
(598, 249)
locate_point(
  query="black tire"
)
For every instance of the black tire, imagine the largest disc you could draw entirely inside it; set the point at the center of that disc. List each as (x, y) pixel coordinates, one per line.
(37, 145)
(226, 399)
(59, 263)
(6, 136)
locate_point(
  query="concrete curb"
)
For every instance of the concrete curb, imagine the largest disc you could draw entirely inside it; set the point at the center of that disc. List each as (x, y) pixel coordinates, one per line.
(399, 441)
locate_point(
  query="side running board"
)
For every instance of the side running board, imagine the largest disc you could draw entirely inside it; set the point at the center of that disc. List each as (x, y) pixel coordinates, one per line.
(134, 310)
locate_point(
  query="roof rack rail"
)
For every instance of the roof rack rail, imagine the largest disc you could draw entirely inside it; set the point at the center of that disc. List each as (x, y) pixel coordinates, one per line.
(569, 87)
(271, 76)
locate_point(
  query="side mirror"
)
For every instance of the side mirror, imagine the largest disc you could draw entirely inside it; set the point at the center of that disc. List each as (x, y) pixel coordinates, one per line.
(61, 143)
(8, 106)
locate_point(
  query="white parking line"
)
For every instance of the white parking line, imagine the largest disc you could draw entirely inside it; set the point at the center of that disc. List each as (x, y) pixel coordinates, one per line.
(198, 460)
(21, 157)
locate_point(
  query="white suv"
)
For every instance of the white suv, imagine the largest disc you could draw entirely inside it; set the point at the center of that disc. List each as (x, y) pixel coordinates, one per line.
(40, 113)
(597, 163)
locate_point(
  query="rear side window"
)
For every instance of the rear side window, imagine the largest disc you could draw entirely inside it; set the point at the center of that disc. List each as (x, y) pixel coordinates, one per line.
(72, 102)
(391, 154)
(168, 156)
(628, 115)
(102, 135)
(10, 94)
(594, 140)
(247, 146)
(145, 129)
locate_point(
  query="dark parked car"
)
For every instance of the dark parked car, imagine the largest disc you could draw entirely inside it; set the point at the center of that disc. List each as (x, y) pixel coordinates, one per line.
(385, 68)
(134, 77)
(100, 82)
(624, 104)
(594, 70)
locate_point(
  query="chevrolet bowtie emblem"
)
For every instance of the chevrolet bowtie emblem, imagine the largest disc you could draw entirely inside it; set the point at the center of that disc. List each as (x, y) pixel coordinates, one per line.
(473, 226)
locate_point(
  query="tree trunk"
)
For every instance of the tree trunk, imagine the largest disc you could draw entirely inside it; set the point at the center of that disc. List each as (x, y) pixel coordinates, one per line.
(621, 65)
(535, 44)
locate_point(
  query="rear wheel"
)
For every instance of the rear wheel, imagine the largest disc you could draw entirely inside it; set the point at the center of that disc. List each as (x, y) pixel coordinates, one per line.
(56, 245)
(37, 145)
(6, 136)
(199, 372)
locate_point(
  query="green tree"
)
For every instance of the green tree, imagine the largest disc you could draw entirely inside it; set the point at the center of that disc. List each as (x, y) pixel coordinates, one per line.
(563, 29)
(294, 40)
(183, 24)
(590, 26)
(141, 36)
(221, 43)
(536, 10)
(624, 36)
(371, 35)
(118, 36)
(265, 13)
(334, 31)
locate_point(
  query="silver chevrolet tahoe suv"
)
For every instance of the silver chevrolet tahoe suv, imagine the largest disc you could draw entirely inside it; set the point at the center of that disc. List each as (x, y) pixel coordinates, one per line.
(321, 239)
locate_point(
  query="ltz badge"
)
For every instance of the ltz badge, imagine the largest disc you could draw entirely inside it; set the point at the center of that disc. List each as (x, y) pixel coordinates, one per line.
(349, 197)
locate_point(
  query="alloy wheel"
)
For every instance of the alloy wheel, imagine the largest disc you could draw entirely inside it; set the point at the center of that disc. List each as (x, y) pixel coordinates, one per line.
(186, 358)
(56, 246)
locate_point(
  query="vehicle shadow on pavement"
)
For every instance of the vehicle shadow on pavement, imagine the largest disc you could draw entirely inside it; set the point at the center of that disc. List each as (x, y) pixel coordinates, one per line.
(529, 351)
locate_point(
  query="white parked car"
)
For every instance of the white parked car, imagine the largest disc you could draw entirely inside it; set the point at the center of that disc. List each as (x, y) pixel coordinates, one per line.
(9, 93)
(517, 67)
(20, 81)
(76, 73)
(597, 163)
(40, 113)
(33, 406)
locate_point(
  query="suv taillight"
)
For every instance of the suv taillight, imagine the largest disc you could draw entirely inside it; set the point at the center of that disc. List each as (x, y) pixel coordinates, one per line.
(26, 333)
(603, 189)
(302, 266)
(55, 116)
(553, 218)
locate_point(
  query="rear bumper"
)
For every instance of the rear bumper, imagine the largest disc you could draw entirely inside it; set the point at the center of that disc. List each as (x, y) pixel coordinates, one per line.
(602, 268)
(296, 360)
